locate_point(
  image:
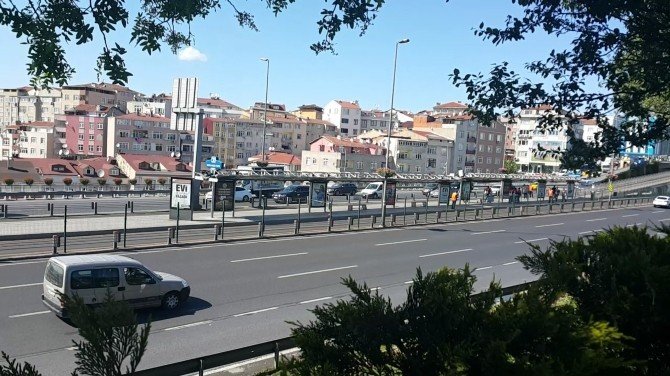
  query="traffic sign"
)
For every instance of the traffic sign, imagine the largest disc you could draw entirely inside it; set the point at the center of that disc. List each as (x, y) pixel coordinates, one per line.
(610, 187)
(214, 163)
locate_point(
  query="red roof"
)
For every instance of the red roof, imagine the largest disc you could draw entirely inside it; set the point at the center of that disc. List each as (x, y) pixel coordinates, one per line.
(542, 107)
(45, 166)
(451, 105)
(345, 142)
(216, 103)
(589, 121)
(346, 104)
(98, 163)
(429, 135)
(48, 124)
(170, 164)
(278, 158)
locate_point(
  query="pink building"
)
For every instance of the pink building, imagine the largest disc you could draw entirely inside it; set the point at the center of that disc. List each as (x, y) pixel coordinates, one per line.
(85, 130)
(141, 134)
(335, 144)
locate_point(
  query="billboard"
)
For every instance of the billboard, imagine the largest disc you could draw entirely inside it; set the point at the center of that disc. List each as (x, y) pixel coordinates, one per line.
(317, 195)
(390, 193)
(180, 194)
(224, 195)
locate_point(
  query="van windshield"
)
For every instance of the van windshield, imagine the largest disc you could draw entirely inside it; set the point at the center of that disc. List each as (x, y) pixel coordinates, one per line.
(54, 274)
(372, 186)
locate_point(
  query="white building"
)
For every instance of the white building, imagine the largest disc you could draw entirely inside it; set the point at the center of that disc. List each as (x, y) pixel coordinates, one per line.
(536, 149)
(26, 105)
(31, 140)
(419, 151)
(346, 116)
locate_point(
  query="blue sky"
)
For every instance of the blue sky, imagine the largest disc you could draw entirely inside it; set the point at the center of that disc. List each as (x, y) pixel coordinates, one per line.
(441, 37)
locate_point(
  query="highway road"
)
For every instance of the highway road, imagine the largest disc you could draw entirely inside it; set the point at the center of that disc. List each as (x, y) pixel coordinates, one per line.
(242, 293)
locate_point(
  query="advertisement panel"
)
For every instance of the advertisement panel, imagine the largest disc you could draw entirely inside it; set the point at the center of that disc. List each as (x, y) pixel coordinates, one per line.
(317, 195)
(390, 193)
(445, 192)
(181, 193)
(224, 195)
(466, 189)
(506, 187)
(541, 189)
(571, 189)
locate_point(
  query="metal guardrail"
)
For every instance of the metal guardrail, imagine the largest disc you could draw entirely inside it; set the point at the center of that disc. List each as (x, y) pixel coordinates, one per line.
(274, 347)
(79, 193)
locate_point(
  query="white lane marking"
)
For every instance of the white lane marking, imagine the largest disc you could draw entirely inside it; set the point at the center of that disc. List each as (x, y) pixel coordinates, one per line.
(629, 215)
(401, 242)
(510, 263)
(634, 224)
(446, 253)
(29, 314)
(254, 312)
(22, 263)
(553, 224)
(658, 211)
(271, 257)
(589, 232)
(409, 282)
(664, 220)
(316, 300)
(595, 219)
(317, 271)
(189, 325)
(487, 232)
(375, 289)
(17, 286)
(71, 348)
(484, 267)
(531, 240)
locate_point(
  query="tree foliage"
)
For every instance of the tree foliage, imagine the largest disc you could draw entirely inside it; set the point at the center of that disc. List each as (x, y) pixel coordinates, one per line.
(45, 26)
(624, 45)
(442, 329)
(112, 341)
(621, 276)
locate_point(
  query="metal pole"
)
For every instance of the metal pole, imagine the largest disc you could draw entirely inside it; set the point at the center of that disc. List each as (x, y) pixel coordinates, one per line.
(265, 203)
(299, 215)
(211, 213)
(384, 200)
(125, 224)
(65, 229)
(358, 221)
(176, 240)
(404, 215)
(223, 216)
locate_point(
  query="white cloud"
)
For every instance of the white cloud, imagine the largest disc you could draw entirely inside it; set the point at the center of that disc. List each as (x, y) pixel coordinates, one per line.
(191, 54)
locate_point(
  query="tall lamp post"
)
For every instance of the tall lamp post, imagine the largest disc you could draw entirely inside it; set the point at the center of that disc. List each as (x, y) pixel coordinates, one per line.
(265, 109)
(388, 135)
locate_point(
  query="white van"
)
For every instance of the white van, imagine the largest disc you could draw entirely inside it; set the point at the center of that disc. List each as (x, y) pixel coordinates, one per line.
(373, 190)
(92, 276)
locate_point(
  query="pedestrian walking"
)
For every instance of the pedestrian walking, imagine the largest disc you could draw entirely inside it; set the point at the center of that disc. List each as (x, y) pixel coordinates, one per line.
(454, 198)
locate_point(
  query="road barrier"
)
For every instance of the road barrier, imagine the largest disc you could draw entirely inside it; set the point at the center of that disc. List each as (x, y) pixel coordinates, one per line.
(248, 353)
(137, 238)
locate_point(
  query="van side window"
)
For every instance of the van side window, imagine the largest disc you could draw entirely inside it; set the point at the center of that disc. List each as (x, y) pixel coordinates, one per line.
(81, 279)
(107, 277)
(137, 276)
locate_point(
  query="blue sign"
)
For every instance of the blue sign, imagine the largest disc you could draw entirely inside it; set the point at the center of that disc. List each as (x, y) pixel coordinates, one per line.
(214, 162)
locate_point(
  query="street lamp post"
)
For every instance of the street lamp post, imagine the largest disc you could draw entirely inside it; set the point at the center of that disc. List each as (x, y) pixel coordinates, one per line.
(265, 109)
(388, 135)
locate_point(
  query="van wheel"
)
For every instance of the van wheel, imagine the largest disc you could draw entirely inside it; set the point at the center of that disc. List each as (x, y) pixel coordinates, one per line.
(245, 199)
(171, 301)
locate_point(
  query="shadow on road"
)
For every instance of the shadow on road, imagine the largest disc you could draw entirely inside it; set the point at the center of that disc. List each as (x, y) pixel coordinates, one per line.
(189, 308)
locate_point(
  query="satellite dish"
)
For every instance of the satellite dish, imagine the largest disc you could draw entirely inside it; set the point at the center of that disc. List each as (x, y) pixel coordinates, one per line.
(172, 154)
(60, 152)
(178, 155)
(67, 152)
(101, 173)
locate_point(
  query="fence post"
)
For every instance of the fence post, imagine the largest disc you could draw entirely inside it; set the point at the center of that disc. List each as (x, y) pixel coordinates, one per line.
(264, 200)
(217, 230)
(125, 224)
(223, 217)
(260, 229)
(349, 223)
(372, 221)
(117, 236)
(170, 235)
(358, 223)
(437, 216)
(65, 229)
(404, 213)
(176, 233)
(416, 218)
(392, 220)
(296, 230)
(56, 244)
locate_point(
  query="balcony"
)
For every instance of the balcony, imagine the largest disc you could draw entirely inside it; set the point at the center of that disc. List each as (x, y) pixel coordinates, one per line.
(470, 151)
(472, 139)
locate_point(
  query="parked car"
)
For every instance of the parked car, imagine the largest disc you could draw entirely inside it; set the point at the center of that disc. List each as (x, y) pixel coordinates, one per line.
(92, 277)
(373, 190)
(662, 201)
(342, 189)
(435, 193)
(241, 194)
(292, 193)
(429, 187)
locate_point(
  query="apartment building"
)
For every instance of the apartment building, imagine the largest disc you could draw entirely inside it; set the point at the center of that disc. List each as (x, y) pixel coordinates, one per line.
(82, 131)
(346, 116)
(338, 154)
(416, 151)
(98, 94)
(510, 138)
(235, 139)
(536, 148)
(490, 148)
(274, 110)
(141, 134)
(315, 128)
(27, 105)
(30, 140)
(309, 111)
(375, 120)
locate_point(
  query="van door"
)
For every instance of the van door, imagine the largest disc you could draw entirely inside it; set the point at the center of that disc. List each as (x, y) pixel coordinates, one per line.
(81, 285)
(141, 288)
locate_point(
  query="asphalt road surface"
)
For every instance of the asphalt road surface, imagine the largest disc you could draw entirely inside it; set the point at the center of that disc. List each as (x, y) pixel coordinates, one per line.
(242, 293)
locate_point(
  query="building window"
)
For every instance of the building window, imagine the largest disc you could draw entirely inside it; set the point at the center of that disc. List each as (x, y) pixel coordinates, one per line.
(345, 121)
(101, 126)
(33, 139)
(480, 160)
(42, 140)
(81, 125)
(325, 162)
(482, 135)
(460, 147)
(498, 150)
(460, 158)
(489, 160)
(157, 136)
(91, 137)
(418, 156)
(91, 126)
(497, 161)
(355, 121)
(432, 163)
(98, 149)
(359, 165)
(431, 150)
(402, 155)
(80, 147)
(81, 136)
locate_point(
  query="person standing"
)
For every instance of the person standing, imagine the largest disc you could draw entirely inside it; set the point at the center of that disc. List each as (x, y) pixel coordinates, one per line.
(454, 198)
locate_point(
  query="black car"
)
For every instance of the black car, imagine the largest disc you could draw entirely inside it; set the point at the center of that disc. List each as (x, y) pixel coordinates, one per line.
(292, 193)
(342, 189)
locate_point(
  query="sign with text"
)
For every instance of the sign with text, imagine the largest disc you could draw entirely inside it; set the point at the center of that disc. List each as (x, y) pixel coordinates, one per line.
(317, 195)
(181, 193)
(225, 195)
